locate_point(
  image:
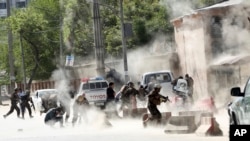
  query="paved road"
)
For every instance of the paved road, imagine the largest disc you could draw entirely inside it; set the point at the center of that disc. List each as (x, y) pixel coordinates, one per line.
(13, 129)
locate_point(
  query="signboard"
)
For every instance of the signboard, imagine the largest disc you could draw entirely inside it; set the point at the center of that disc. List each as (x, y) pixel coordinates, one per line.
(69, 60)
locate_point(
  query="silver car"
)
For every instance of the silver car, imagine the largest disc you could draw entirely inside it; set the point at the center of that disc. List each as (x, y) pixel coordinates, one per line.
(44, 99)
(239, 109)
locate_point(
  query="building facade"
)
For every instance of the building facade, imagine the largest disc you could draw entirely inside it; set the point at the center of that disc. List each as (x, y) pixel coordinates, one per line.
(210, 35)
(13, 4)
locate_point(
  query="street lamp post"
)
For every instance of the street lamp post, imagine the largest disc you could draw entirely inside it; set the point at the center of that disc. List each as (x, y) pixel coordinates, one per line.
(98, 38)
(61, 33)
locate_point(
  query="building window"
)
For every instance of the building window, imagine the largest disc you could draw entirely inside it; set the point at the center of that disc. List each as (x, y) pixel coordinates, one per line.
(216, 27)
(20, 4)
(2, 5)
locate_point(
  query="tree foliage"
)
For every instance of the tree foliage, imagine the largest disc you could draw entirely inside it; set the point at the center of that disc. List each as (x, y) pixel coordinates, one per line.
(38, 28)
(39, 24)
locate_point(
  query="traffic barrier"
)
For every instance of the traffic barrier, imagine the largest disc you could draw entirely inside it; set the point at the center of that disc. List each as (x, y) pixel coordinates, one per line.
(138, 112)
(198, 115)
(209, 127)
(181, 124)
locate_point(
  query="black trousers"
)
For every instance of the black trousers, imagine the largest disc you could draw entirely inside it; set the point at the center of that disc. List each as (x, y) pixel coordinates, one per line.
(23, 106)
(12, 108)
(154, 112)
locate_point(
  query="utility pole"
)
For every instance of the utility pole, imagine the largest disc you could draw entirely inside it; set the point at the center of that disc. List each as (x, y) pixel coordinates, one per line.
(61, 34)
(124, 44)
(99, 47)
(10, 45)
(23, 64)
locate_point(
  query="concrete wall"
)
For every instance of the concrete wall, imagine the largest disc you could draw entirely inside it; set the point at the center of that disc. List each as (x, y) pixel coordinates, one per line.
(190, 42)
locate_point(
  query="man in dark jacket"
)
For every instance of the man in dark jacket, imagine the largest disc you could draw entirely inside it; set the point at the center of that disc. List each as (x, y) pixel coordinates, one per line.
(154, 99)
(110, 93)
(128, 97)
(54, 115)
(25, 103)
(14, 98)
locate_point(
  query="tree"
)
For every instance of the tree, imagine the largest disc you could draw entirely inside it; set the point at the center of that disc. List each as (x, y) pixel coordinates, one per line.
(147, 17)
(78, 28)
(37, 25)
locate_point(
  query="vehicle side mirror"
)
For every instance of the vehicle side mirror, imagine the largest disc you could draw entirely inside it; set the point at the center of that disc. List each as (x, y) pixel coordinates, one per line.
(236, 92)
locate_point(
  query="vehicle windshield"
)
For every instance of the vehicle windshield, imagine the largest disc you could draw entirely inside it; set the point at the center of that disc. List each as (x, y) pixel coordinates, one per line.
(247, 90)
(94, 85)
(158, 77)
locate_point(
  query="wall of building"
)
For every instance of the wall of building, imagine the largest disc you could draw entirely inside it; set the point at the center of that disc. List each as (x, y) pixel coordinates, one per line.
(190, 35)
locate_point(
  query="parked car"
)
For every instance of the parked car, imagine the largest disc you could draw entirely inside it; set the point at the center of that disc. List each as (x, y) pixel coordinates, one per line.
(45, 99)
(239, 109)
(94, 90)
(163, 77)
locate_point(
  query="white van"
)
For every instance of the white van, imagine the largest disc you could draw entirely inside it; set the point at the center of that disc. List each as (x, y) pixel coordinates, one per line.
(94, 90)
(163, 77)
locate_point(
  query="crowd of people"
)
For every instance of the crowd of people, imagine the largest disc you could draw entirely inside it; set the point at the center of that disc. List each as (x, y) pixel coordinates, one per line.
(126, 97)
(183, 87)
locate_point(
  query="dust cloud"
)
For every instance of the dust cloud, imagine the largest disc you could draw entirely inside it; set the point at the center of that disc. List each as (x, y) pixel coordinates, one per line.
(235, 33)
(234, 41)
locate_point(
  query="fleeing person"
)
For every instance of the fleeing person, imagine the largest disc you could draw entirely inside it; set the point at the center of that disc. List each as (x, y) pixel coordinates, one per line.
(110, 95)
(26, 100)
(14, 99)
(174, 82)
(80, 107)
(190, 84)
(129, 97)
(154, 99)
(53, 116)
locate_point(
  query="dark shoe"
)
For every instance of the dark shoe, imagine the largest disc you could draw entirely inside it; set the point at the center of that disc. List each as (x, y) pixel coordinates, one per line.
(31, 116)
(4, 116)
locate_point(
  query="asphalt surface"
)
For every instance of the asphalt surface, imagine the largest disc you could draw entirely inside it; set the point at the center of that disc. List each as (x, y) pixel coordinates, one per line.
(95, 129)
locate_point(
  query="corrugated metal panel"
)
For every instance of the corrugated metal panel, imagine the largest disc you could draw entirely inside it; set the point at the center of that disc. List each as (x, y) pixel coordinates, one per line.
(232, 60)
(223, 4)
